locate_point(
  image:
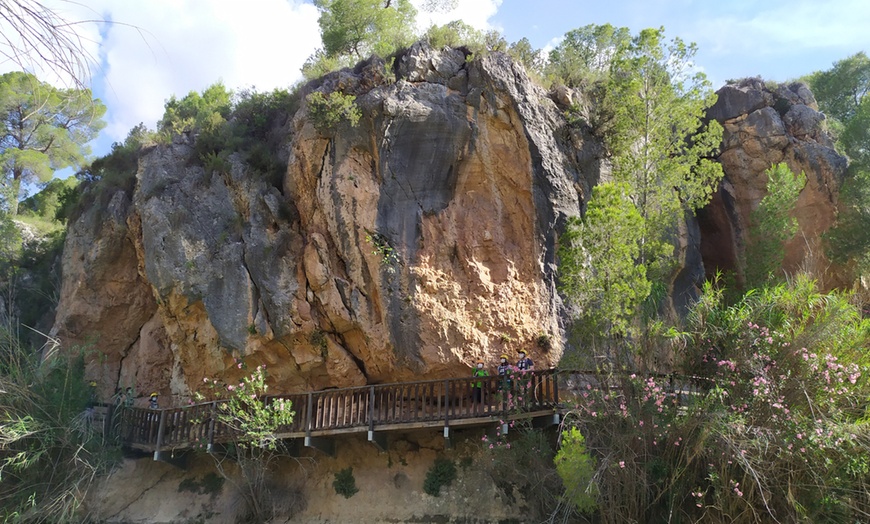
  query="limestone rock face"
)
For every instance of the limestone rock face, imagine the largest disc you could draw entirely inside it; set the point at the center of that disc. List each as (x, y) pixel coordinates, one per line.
(765, 126)
(399, 249)
(403, 248)
(105, 301)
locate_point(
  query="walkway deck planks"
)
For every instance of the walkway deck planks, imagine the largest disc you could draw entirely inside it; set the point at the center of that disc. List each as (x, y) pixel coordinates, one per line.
(376, 408)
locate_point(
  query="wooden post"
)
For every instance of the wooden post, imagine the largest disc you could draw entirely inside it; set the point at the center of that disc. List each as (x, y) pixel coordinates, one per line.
(555, 390)
(447, 414)
(211, 426)
(161, 428)
(308, 415)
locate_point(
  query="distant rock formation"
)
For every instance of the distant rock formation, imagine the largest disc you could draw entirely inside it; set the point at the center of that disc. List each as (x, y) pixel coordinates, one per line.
(765, 126)
(403, 248)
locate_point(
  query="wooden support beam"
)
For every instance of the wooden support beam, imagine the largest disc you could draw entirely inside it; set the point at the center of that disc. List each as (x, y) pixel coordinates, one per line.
(379, 440)
(326, 445)
(161, 429)
(545, 421)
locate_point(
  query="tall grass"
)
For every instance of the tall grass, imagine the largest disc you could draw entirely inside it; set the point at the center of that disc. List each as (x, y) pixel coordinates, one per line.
(50, 453)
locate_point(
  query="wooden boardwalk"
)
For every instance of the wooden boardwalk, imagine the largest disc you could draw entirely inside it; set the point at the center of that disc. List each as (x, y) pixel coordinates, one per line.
(374, 410)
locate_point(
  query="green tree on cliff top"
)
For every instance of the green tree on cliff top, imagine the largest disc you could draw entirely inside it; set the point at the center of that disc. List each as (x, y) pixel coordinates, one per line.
(42, 129)
(661, 146)
(363, 27)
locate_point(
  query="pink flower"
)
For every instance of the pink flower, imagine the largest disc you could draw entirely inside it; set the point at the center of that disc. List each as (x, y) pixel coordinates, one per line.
(622, 464)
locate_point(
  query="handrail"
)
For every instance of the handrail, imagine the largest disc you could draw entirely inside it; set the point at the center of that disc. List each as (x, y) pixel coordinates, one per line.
(362, 408)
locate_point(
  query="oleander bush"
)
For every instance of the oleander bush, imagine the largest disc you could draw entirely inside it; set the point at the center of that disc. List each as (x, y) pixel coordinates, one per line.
(773, 429)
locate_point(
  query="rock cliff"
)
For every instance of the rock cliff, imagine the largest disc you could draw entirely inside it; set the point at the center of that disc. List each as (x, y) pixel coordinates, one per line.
(402, 248)
(764, 126)
(405, 247)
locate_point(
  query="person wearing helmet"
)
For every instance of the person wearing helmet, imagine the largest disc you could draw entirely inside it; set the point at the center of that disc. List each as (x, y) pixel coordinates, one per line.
(477, 386)
(152, 402)
(504, 372)
(525, 363)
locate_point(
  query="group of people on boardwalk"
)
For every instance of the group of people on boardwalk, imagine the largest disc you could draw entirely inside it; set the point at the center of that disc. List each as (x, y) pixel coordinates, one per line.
(505, 370)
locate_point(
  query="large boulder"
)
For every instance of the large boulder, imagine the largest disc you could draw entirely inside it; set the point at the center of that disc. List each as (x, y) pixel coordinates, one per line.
(763, 126)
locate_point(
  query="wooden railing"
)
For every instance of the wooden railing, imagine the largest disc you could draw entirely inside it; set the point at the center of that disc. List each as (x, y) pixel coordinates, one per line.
(408, 405)
(373, 408)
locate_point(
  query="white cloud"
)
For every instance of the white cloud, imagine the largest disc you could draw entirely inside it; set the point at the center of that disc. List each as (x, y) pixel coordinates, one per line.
(166, 47)
(475, 13)
(157, 48)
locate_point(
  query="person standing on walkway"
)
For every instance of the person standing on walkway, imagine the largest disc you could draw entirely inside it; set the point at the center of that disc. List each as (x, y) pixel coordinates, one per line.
(477, 386)
(525, 363)
(504, 371)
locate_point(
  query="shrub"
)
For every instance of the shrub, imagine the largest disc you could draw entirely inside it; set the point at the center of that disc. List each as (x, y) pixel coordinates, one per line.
(442, 473)
(50, 453)
(776, 430)
(327, 111)
(345, 483)
(576, 469)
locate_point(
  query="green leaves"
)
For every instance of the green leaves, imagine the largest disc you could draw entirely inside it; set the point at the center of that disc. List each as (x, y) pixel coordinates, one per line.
(660, 144)
(599, 269)
(576, 468)
(327, 111)
(363, 27)
(772, 225)
(42, 129)
(585, 54)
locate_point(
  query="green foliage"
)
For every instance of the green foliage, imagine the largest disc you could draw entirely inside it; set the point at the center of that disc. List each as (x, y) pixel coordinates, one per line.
(454, 34)
(328, 111)
(383, 250)
(586, 53)
(255, 420)
(50, 452)
(772, 225)
(576, 469)
(37, 281)
(841, 90)
(320, 64)
(442, 473)
(107, 175)
(523, 460)
(49, 200)
(841, 93)
(774, 426)
(523, 52)
(196, 112)
(598, 262)
(661, 145)
(364, 27)
(245, 410)
(42, 129)
(345, 483)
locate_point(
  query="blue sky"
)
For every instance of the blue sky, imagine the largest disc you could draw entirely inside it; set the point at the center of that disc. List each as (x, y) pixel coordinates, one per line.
(159, 48)
(777, 39)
